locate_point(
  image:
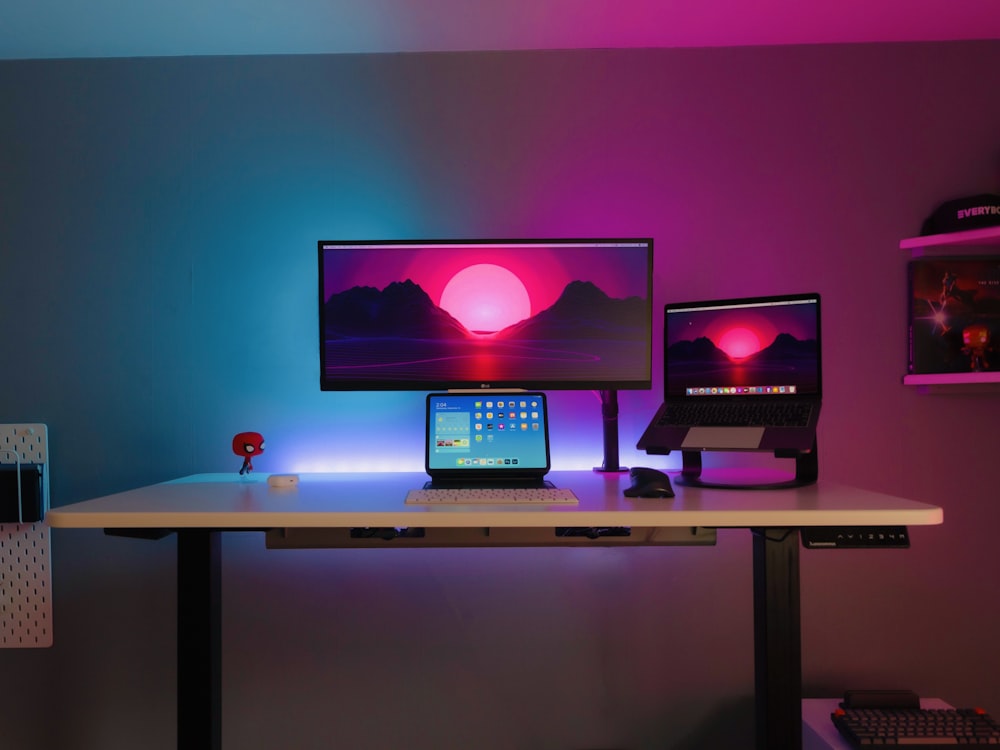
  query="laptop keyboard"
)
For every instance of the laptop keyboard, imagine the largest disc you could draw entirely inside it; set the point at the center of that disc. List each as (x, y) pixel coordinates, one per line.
(750, 414)
(489, 496)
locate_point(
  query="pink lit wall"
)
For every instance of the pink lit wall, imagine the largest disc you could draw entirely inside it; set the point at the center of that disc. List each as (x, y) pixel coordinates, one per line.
(159, 219)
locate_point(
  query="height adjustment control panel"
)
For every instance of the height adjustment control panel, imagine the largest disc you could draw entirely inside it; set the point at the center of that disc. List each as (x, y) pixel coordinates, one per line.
(855, 537)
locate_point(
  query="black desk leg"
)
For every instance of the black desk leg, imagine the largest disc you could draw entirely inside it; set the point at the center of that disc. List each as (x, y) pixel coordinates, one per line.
(777, 639)
(199, 639)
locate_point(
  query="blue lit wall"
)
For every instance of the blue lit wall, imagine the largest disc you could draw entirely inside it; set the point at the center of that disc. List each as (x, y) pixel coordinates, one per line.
(158, 223)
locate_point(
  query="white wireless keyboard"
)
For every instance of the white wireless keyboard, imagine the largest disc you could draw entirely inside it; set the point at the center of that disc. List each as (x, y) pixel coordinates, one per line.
(503, 496)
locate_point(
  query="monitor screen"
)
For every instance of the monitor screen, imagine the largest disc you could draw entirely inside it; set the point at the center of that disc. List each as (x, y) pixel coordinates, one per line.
(751, 347)
(485, 314)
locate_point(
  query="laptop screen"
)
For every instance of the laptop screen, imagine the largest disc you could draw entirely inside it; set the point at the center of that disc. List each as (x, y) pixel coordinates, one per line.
(487, 435)
(761, 347)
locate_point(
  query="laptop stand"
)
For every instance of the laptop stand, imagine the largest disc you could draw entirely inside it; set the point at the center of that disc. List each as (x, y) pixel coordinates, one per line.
(806, 472)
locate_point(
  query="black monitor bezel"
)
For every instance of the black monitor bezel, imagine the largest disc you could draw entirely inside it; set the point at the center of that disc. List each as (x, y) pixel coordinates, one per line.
(796, 297)
(539, 384)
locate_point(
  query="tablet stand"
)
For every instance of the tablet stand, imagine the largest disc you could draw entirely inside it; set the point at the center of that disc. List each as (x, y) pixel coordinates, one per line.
(806, 472)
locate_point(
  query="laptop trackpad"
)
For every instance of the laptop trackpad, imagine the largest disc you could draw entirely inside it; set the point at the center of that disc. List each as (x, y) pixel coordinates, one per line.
(734, 438)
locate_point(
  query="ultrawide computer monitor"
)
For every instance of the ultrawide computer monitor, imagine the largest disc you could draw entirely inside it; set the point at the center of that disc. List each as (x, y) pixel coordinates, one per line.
(485, 314)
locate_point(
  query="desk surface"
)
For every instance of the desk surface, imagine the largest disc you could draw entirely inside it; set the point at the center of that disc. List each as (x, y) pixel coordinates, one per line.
(377, 500)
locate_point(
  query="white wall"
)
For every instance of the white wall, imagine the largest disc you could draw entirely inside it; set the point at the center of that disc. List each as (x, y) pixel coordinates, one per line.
(159, 219)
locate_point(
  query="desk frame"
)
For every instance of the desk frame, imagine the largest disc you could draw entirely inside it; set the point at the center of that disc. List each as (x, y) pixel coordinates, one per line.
(199, 652)
(200, 514)
(777, 639)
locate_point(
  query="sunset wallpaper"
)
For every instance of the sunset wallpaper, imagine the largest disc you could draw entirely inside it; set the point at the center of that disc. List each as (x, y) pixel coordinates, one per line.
(411, 316)
(743, 347)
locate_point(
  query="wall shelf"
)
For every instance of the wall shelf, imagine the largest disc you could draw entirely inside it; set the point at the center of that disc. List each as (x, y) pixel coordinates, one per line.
(955, 382)
(970, 242)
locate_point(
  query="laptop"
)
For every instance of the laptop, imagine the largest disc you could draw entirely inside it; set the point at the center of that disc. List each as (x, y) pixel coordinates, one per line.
(487, 439)
(739, 374)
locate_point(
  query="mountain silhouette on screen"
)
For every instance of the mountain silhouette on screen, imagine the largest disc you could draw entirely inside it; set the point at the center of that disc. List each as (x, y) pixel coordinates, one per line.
(784, 348)
(404, 310)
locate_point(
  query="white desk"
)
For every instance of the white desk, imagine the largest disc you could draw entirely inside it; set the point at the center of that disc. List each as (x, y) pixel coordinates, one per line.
(325, 508)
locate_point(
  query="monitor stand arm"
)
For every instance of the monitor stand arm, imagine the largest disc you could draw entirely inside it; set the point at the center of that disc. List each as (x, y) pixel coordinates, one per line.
(609, 416)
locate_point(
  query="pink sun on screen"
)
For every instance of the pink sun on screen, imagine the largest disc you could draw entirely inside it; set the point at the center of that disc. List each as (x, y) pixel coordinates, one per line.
(486, 298)
(739, 343)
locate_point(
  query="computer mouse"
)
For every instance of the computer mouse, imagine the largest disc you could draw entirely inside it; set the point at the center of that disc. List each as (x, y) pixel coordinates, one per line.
(648, 483)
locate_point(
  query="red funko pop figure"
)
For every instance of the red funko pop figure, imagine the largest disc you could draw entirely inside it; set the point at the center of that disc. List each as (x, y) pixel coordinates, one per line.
(977, 342)
(248, 445)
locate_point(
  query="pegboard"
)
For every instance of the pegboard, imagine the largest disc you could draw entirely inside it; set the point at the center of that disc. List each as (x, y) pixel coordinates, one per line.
(25, 570)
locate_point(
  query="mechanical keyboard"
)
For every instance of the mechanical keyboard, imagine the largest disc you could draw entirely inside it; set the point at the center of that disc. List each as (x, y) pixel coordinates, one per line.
(926, 728)
(488, 496)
